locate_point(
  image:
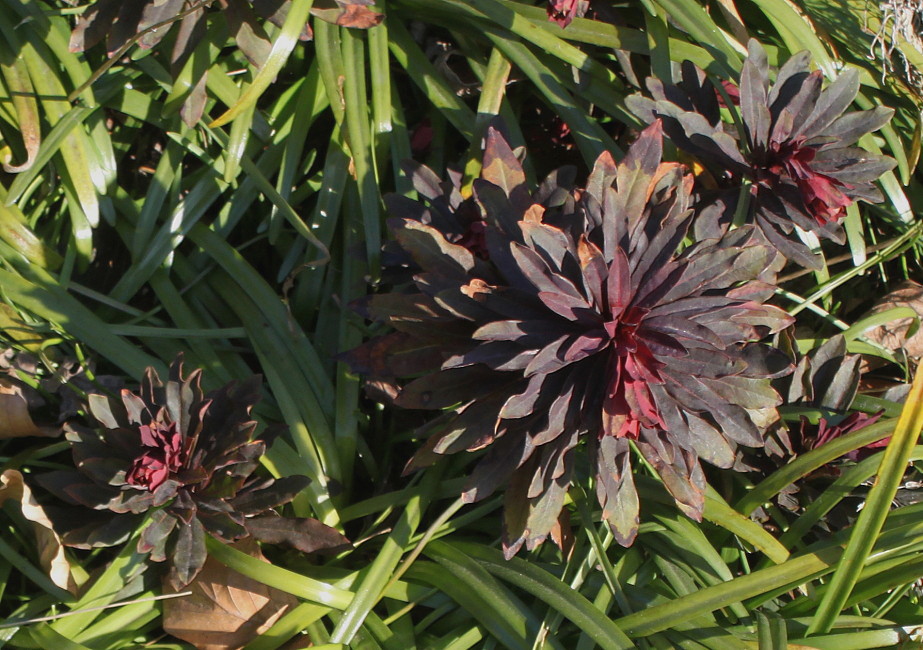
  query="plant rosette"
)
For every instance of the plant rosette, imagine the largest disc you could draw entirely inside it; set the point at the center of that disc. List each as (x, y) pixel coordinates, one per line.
(181, 464)
(788, 158)
(578, 321)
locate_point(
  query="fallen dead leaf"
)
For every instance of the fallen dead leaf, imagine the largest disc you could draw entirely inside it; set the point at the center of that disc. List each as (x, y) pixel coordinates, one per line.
(893, 336)
(50, 549)
(348, 13)
(226, 609)
(15, 421)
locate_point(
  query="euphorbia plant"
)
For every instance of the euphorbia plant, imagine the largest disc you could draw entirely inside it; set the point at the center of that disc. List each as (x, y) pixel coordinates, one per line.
(586, 328)
(793, 161)
(180, 463)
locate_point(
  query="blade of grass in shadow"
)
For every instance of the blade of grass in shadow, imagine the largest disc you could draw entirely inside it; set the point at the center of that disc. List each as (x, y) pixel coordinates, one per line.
(263, 185)
(484, 603)
(877, 506)
(308, 295)
(330, 62)
(659, 43)
(550, 590)
(493, 595)
(595, 32)
(692, 16)
(50, 302)
(358, 137)
(797, 33)
(833, 494)
(349, 328)
(409, 55)
(376, 576)
(292, 124)
(32, 573)
(380, 81)
(689, 543)
(591, 139)
(300, 406)
(163, 186)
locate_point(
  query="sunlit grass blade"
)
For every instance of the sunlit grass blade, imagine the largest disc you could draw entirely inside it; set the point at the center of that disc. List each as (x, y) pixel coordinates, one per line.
(296, 584)
(806, 463)
(282, 46)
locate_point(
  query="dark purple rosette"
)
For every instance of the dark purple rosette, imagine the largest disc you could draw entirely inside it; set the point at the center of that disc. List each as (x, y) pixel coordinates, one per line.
(591, 327)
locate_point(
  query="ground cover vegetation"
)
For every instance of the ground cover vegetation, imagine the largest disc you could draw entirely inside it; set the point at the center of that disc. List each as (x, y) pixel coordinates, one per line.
(454, 324)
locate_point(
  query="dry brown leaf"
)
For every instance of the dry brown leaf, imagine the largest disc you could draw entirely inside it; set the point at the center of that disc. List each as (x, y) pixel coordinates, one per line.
(50, 549)
(359, 17)
(15, 421)
(347, 14)
(226, 609)
(893, 336)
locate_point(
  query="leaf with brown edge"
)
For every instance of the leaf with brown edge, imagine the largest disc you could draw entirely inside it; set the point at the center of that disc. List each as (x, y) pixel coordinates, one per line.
(226, 609)
(503, 169)
(15, 421)
(48, 543)
(615, 489)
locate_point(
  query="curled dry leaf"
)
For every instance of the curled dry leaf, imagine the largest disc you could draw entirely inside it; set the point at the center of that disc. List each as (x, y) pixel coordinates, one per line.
(15, 421)
(226, 609)
(347, 13)
(50, 549)
(893, 335)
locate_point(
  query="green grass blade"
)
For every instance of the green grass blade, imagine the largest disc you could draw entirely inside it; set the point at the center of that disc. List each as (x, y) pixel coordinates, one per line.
(550, 590)
(795, 571)
(807, 463)
(52, 303)
(296, 584)
(409, 55)
(282, 47)
(359, 138)
(720, 513)
(378, 574)
(877, 506)
(489, 606)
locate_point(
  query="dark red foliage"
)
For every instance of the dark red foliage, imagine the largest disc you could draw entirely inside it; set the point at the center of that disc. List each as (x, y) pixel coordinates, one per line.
(587, 326)
(564, 11)
(822, 196)
(179, 463)
(161, 456)
(796, 151)
(827, 429)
